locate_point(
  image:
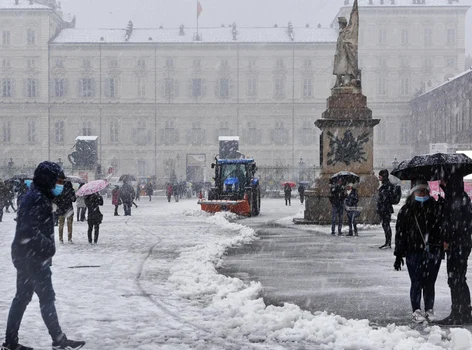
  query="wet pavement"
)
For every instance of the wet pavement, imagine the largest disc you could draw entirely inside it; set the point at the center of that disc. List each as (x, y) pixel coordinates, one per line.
(307, 266)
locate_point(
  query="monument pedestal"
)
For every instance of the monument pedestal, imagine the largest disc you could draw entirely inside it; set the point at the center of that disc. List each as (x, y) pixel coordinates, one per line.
(346, 145)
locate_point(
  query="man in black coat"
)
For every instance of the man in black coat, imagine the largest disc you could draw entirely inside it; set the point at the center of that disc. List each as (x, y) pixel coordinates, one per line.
(457, 230)
(385, 207)
(95, 217)
(336, 198)
(32, 250)
(65, 210)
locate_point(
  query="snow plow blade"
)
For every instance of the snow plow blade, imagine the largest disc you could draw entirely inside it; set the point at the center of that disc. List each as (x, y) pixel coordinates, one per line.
(240, 207)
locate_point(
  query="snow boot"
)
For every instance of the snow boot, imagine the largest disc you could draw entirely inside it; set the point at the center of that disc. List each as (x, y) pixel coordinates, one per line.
(67, 344)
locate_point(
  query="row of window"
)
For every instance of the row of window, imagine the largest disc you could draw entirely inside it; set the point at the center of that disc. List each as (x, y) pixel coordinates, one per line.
(142, 135)
(30, 37)
(405, 40)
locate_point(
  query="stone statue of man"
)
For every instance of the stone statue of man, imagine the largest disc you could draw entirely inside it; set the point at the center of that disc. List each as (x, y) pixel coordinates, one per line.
(346, 67)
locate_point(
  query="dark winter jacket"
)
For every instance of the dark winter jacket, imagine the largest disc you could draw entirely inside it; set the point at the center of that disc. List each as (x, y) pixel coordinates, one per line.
(149, 189)
(409, 238)
(33, 245)
(4, 195)
(384, 200)
(65, 200)
(127, 193)
(301, 190)
(93, 202)
(337, 195)
(457, 216)
(287, 191)
(22, 189)
(352, 199)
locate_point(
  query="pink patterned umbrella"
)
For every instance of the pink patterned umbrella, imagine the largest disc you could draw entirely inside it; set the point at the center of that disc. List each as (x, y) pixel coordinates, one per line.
(92, 187)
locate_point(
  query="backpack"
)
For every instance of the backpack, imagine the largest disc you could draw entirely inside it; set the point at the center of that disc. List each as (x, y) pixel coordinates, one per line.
(396, 194)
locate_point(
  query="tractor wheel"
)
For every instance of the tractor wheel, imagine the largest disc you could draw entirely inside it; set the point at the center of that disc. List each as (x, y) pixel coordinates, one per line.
(256, 202)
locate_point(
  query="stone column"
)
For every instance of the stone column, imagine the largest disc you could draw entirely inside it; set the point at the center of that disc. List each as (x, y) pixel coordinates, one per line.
(346, 143)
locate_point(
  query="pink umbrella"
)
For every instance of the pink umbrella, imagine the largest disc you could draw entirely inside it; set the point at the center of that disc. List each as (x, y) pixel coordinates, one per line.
(92, 187)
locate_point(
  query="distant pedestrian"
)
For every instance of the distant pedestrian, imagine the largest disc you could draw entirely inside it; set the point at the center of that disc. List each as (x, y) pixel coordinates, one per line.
(32, 250)
(115, 199)
(65, 210)
(10, 195)
(169, 191)
(127, 195)
(418, 238)
(350, 202)
(385, 207)
(336, 198)
(457, 230)
(81, 207)
(95, 217)
(301, 192)
(176, 192)
(288, 194)
(149, 189)
(138, 191)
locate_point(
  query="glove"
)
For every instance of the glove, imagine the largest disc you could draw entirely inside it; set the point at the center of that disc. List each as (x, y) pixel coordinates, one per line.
(398, 263)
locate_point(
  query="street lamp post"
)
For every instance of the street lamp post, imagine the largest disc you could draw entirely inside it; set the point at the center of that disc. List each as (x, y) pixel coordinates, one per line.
(59, 162)
(301, 163)
(177, 166)
(395, 162)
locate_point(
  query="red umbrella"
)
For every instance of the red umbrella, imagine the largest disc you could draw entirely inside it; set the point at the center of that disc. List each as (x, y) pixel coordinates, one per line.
(92, 187)
(292, 184)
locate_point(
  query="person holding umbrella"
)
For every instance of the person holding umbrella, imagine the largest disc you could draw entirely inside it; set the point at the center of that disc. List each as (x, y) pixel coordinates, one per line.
(115, 199)
(127, 195)
(418, 238)
(350, 203)
(288, 194)
(94, 219)
(385, 207)
(457, 228)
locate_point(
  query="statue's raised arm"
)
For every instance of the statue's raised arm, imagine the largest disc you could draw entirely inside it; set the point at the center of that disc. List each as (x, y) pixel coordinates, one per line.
(346, 66)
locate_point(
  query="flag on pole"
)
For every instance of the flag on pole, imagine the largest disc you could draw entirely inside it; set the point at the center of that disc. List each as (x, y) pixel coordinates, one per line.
(199, 9)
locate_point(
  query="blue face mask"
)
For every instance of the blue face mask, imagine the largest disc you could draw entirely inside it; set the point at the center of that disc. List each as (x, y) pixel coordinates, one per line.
(28, 183)
(421, 199)
(57, 190)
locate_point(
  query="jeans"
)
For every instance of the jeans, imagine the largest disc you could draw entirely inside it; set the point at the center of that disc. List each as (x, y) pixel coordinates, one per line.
(28, 281)
(385, 220)
(96, 229)
(62, 220)
(81, 213)
(351, 217)
(457, 281)
(337, 217)
(423, 269)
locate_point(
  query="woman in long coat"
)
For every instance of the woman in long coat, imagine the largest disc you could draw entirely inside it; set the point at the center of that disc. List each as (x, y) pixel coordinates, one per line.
(95, 217)
(419, 238)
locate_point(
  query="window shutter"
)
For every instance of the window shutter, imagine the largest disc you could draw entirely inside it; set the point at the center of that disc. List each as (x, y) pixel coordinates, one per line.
(176, 88)
(13, 88)
(107, 87)
(66, 86)
(204, 88)
(117, 85)
(177, 136)
(94, 88)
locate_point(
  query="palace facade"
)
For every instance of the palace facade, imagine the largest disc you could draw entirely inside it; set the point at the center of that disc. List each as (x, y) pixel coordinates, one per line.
(159, 98)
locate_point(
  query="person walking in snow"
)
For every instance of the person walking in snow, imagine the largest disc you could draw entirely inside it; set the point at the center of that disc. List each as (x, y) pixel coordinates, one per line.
(385, 207)
(301, 192)
(149, 189)
(127, 196)
(115, 199)
(3, 197)
(95, 217)
(288, 194)
(65, 210)
(9, 184)
(81, 207)
(32, 250)
(418, 238)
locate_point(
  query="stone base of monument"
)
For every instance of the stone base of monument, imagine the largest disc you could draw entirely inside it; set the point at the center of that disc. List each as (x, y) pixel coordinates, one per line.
(318, 207)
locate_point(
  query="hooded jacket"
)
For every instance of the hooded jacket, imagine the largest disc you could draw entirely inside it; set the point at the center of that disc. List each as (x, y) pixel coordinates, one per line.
(33, 245)
(65, 200)
(384, 200)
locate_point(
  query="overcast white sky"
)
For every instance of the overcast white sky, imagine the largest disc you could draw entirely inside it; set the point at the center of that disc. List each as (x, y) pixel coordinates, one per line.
(172, 13)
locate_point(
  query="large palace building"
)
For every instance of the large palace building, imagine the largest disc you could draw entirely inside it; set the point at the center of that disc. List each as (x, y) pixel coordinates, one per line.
(157, 99)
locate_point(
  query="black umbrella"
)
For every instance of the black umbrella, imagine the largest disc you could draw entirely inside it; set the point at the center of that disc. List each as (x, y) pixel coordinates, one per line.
(347, 177)
(433, 167)
(127, 178)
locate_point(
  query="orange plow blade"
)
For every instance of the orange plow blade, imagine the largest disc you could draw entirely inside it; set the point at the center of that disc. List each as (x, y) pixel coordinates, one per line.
(240, 207)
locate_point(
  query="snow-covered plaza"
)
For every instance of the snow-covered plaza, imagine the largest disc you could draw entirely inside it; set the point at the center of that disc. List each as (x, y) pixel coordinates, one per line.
(151, 283)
